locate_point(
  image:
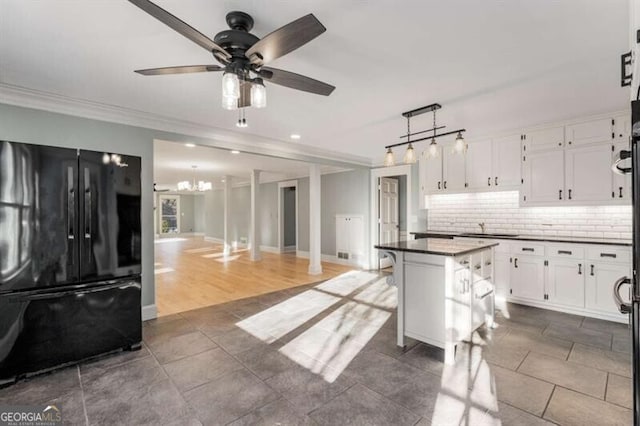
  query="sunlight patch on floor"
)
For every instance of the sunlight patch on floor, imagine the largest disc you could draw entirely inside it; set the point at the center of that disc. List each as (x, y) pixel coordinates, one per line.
(228, 258)
(379, 294)
(163, 270)
(202, 250)
(168, 240)
(347, 283)
(276, 321)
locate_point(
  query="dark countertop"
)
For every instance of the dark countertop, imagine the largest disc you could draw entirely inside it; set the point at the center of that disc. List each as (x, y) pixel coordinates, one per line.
(437, 246)
(550, 239)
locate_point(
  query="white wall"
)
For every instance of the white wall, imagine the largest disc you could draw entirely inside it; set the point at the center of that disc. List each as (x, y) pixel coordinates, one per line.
(501, 213)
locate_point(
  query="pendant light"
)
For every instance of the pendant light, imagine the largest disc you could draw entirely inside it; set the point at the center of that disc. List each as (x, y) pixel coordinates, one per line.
(389, 158)
(410, 155)
(460, 146)
(433, 149)
(258, 94)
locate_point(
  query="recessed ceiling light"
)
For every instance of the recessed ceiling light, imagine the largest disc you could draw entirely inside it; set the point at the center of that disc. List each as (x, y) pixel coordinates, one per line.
(190, 145)
(295, 136)
(235, 151)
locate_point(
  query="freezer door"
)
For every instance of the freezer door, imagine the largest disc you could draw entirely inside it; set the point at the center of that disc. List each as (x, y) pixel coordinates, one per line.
(41, 330)
(110, 229)
(38, 220)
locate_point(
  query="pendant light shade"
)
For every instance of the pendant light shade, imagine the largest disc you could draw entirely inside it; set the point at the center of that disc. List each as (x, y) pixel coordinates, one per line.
(258, 94)
(410, 155)
(230, 85)
(460, 146)
(389, 158)
(433, 149)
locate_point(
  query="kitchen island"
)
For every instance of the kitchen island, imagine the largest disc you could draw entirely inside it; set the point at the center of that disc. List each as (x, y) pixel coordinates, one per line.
(445, 290)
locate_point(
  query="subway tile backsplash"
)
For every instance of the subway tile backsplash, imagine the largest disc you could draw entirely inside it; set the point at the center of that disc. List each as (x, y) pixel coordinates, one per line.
(500, 213)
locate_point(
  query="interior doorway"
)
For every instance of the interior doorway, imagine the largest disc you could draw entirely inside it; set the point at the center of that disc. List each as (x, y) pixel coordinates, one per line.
(288, 216)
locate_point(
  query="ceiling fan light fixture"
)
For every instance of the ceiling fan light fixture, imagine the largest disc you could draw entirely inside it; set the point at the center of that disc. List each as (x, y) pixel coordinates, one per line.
(230, 85)
(410, 155)
(389, 158)
(258, 94)
(229, 102)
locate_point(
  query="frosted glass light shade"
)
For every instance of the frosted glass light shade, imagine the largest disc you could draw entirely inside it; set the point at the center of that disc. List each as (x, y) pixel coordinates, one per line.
(258, 95)
(433, 149)
(230, 85)
(410, 155)
(389, 158)
(229, 102)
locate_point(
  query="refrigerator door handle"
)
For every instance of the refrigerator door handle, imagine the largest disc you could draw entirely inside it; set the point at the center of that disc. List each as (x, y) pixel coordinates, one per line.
(87, 204)
(71, 205)
(621, 156)
(623, 307)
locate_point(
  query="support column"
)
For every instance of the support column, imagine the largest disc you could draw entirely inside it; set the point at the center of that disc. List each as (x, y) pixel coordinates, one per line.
(254, 226)
(315, 267)
(227, 215)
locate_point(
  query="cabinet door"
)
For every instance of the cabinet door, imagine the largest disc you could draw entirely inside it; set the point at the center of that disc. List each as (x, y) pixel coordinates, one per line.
(565, 282)
(621, 190)
(433, 172)
(453, 173)
(543, 175)
(622, 128)
(478, 163)
(418, 321)
(501, 277)
(422, 182)
(593, 131)
(506, 162)
(527, 278)
(543, 139)
(599, 286)
(588, 173)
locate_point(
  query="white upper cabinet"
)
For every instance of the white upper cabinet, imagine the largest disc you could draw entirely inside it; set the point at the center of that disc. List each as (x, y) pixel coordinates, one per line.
(479, 165)
(588, 173)
(432, 172)
(543, 139)
(543, 178)
(453, 170)
(621, 190)
(506, 162)
(589, 132)
(622, 128)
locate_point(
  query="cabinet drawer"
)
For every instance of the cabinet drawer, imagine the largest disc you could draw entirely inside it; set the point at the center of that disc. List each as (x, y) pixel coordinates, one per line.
(566, 251)
(531, 249)
(609, 254)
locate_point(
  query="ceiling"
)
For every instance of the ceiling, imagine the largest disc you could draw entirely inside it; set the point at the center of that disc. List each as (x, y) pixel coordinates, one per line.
(493, 65)
(173, 162)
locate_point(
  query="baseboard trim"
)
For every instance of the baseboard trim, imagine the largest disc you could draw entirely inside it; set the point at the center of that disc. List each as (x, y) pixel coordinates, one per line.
(568, 310)
(149, 312)
(328, 258)
(289, 249)
(270, 249)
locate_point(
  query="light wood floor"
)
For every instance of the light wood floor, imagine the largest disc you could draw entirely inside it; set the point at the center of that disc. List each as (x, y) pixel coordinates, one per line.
(192, 273)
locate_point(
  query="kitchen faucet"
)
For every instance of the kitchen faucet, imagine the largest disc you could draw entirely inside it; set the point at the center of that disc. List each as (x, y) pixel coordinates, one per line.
(481, 225)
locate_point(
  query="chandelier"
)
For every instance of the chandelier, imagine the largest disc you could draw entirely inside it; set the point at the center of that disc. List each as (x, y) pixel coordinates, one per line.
(192, 186)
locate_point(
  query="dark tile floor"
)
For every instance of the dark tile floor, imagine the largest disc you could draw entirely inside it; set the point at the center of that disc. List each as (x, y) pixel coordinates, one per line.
(326, 355)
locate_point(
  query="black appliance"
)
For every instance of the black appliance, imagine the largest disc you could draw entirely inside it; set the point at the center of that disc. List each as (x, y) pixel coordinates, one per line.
(70, 252)
(631, 306)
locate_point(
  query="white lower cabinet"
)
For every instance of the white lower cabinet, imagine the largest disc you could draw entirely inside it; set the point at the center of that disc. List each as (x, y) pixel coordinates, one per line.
(527, 277)
(565, 282)
(599, 286)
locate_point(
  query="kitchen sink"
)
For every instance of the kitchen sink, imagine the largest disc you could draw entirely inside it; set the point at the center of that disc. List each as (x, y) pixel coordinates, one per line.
(488, 235)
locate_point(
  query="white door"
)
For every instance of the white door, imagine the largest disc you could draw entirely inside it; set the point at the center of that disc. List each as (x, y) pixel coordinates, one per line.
(479, 172)
(621, 190)
(169, 214)
(588, 173)
(565, 282)
(453, 173)
(433, 172)
(593, 131)
(599, 286)
(527, 278)
(506, 162)
(543, 175)
(543, 139)
(389, 221)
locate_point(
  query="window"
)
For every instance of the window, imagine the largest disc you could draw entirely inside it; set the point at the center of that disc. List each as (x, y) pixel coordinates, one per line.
(169, 214)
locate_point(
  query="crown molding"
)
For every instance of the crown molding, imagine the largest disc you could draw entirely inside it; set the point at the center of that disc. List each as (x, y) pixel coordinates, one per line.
(212, 136)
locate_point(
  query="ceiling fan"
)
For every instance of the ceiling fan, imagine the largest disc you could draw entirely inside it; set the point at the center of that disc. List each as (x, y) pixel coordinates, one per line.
(243, 56)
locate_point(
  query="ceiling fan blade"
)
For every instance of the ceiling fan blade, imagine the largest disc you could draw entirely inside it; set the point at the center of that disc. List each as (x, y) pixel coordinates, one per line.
(285, 39)
(180, 26)
(296, 81)
(180, 70)
(245, 95)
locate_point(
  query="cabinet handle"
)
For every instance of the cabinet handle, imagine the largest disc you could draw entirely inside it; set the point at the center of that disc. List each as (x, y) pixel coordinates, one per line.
(495, 181)
(579, 268)
(613, 255)
(464, 262)
(489, 181)
(438, 184)
(569, 194)
(592, 270)
(445, 184)
(528, 249)
(620, 196)
(477, 267)
(564, 252)
(488, 263)
(559, 194)
(515, 262)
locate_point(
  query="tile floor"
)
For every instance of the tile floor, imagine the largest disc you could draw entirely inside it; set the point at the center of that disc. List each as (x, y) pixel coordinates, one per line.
(326, 355)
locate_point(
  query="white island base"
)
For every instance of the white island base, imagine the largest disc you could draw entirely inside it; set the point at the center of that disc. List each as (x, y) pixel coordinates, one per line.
(443, 297)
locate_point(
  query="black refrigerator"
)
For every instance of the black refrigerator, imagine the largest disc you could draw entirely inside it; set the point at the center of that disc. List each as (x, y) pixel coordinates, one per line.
(70, 256)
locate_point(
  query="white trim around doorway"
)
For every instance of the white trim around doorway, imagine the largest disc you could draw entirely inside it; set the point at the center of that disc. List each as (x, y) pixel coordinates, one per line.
(281, 186)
